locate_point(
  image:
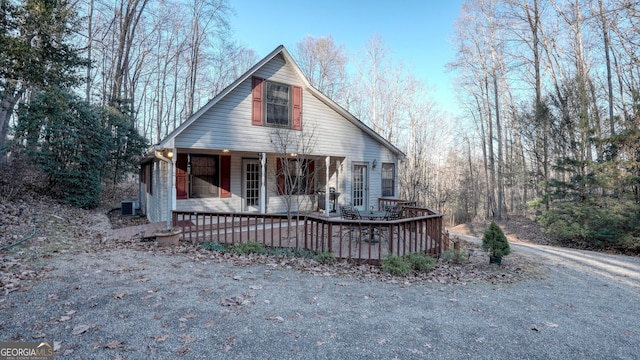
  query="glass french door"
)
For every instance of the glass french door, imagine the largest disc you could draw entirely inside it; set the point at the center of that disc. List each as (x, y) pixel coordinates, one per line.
(251, 182)
(359, 187)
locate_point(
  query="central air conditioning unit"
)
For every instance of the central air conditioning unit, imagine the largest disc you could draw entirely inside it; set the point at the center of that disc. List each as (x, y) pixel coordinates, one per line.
(129, 207)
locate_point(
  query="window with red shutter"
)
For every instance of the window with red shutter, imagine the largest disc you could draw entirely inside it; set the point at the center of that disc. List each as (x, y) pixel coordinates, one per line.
(256, 107)
(225, 176)
(296, 120)
(295, 176)
(276, 104)
(203, 176)
(280, 175)
(182, 176)
(310, 176)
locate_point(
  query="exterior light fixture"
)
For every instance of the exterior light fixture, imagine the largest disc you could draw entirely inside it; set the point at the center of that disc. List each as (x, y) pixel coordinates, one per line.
(293, 154)
(169, 153)
(375, 163)
(225, 150)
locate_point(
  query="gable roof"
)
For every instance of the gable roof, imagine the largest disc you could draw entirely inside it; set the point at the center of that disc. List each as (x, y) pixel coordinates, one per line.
(280, 50)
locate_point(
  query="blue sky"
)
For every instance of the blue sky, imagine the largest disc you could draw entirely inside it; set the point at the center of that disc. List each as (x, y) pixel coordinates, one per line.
(416, 32)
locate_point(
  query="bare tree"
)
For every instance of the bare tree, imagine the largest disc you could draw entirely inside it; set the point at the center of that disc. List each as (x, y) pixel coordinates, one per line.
(323, 63)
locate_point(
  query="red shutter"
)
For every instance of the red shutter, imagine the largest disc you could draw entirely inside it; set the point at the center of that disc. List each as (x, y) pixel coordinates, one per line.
(256, 101)
(310, 176)
(280, 176)
(296, 123)
(225, 176)
(150, 183)
(182, 177)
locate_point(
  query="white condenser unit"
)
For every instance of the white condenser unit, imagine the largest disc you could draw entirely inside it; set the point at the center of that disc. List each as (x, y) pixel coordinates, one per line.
(129, 207)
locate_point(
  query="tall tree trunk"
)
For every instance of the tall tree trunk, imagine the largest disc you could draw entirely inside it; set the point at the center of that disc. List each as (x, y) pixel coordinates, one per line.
(89, 47)
(7, 105)
(605, 35)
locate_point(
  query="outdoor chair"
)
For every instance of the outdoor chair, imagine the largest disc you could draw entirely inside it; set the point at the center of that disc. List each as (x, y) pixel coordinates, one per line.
(392, 213)
(348, 212)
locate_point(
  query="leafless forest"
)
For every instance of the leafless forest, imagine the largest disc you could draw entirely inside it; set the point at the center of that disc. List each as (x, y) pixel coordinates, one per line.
(548, 88)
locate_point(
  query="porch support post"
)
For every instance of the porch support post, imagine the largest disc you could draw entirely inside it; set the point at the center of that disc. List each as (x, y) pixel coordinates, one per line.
(263, 187)
(327, 164)
(172, 187)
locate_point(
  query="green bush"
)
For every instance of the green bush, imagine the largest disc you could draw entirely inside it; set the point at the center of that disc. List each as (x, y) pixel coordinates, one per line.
(249, 248)
(325, 257)
(395, 265)
(214, 246)
(421, 262)
(456, 256)
(495, 242)
(607, 225)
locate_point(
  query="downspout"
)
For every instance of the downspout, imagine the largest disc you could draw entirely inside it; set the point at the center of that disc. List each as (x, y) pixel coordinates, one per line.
(167, 155)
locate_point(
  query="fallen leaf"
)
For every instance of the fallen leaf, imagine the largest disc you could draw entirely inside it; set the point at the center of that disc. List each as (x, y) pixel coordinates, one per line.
(182, 351)
(535, 328)
(80, 329)
(38, 336)
(275, 318)
(57, 345)
(550, 324)
(229, 342)
(65, 318)
(114, 345)
(160, 339)
(186, 338)
(70, 312)
(119, 296)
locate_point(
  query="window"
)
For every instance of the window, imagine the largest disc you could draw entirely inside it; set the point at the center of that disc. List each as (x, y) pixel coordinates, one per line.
(276, 104)
(203, 176)
(146, 173)
(388, 179)
(295, 177)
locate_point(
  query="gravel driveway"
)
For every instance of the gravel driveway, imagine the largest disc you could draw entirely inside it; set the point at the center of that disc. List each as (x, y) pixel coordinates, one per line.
(132, 304)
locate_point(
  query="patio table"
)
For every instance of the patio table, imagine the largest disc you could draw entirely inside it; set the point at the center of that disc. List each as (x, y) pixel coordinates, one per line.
(373, 215)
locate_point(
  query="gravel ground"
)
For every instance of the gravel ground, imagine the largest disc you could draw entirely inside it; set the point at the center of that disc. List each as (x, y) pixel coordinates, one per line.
(139, 304)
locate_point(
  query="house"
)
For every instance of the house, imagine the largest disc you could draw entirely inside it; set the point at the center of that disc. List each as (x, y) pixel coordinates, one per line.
(268, 143)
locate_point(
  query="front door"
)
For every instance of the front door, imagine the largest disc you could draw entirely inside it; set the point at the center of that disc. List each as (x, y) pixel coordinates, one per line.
(359, 188)
(251, 184)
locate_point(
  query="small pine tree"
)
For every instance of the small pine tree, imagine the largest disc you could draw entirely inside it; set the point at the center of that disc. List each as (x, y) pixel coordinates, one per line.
(495, 242)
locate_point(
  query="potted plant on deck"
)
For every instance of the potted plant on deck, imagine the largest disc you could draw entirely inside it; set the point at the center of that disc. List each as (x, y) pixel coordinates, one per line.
(167, 237)
(495, 243)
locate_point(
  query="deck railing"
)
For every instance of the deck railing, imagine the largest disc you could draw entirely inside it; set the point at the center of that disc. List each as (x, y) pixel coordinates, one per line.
(420, 231)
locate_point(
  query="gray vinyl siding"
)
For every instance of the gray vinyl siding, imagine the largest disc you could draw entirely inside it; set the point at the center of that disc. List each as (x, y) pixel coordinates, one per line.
(156, 203)
(227, 125)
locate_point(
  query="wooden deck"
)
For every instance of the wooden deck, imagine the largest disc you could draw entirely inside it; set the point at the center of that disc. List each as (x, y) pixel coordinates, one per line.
(359, 240)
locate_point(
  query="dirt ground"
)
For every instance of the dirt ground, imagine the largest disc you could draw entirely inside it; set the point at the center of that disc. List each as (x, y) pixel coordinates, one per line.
(95, 298)
(42, 229)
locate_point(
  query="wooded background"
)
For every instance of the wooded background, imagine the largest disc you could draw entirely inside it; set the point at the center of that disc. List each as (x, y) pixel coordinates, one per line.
(549, 90)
